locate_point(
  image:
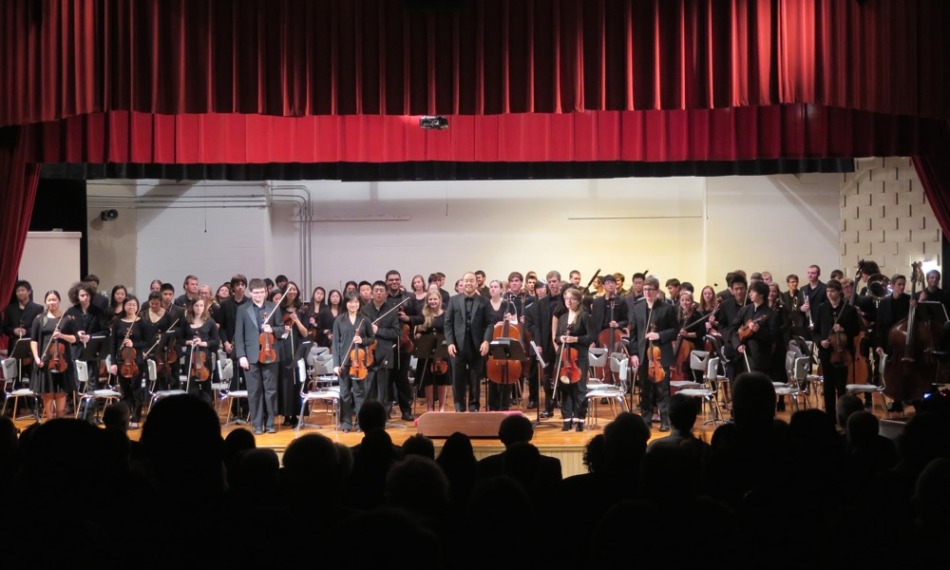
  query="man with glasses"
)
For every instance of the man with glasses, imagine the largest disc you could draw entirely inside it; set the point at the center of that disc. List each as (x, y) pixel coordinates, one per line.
(408, 318)
(653, 325)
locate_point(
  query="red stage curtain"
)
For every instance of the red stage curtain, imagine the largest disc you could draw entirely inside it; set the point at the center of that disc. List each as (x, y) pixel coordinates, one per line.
(787, 131)
(344, 57)
(18, 181)
(934, 172)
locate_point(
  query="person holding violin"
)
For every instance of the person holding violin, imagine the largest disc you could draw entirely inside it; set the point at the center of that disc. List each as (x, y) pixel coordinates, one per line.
(382, 316)
(609, 313)
(652, 330)
(155, 322)
(755, 327)
(51, 335)
(128, 362)
(255, 334)
(352, 336)
(467, 334)
(199, 340)
(692, 333)
(408, 317)
(288, 384)
(433, 373)
(573, 337)
(837, 327)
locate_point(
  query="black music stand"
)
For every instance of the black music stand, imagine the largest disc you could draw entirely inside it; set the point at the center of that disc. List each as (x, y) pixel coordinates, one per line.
(428, 347)
(21, 351)
(541, 366)
(303, 349)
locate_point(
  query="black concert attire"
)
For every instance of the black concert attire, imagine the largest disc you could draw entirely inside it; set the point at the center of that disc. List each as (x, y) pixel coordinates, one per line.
(538, 320)
(797, 321)
(653, 393)
(781, 336)
(207, 332)
(133, 388)
(816, 297)
(90, 322)
(261, 377)
(836, 377)
(44, 380)
(695, 326)
(890, 311)
(399, 378)
(574, 394)
(228, 323)
(466, 327)
(289, 380)
(352, 390)
(384, 360)
(324, 327)
(152, 330)
(426, 374)
(728, 312)
(758, 345)
(183, 301)
(499, 395)
(15, 316)
(604, 310)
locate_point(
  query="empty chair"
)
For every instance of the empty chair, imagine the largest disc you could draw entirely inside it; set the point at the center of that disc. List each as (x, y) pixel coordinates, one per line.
(597, 359)
(707, 393)
(795, 368)
(157, 395)
(697, 364)
(14, 389)
(613, 393)
(89, 395)
(319, 388)
(873, 389)
(228, 396)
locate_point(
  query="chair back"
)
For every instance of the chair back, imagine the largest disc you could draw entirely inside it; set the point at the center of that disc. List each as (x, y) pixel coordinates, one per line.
(801, 370)
(597, 357)
(225, 369)
(9, 368)
(790, 357)
(152, 370)
(82, 372)
(697, 361)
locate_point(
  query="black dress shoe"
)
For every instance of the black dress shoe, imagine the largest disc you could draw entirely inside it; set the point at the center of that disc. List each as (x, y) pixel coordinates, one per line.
(407, 418)
(532, 405)
(545, 414)
(664, 427)
(566, 426)
(579, 426)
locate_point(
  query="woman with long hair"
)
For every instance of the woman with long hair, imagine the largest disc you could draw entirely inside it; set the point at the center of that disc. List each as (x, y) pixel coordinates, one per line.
(433, 373)
(53, 333)
(128, 335)
(323, 322)
(288, 382)
(199, 340)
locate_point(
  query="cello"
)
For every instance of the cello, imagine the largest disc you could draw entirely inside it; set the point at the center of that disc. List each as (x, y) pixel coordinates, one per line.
(504, 371)
(910, 366)
(859, 372)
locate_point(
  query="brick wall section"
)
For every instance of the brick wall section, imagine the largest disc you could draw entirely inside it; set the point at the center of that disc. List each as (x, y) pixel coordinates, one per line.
(885, 217)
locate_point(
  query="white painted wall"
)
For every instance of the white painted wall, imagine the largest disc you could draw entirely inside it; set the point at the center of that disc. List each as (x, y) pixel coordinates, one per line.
(695, 229)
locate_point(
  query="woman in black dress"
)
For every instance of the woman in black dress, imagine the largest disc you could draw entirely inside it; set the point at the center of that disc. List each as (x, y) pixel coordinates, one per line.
(288, 383)
(128, 337)
(199, 340)
(53, 333)
(323, 322)
(433, 373)
(351, 331)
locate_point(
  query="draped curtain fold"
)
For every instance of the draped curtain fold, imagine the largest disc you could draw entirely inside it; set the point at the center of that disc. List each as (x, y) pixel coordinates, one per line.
(18, 182)
(329, 57)
(753, 133)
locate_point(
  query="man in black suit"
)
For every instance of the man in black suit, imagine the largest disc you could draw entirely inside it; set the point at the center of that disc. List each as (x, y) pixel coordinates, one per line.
(815, 297)
(653, 324)
(548, 308)
(467, 334)
(408, 316)
(386, 329)
(252, 319)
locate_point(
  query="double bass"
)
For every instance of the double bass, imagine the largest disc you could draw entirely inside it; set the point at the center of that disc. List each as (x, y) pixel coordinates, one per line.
(910, 367)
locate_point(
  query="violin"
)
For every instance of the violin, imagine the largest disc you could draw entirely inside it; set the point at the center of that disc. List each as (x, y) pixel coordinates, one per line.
(268, 353)
(127, 354)
(199, 362)
(655, 369)
(568, 372)
(745, 331)
(405, 340)
(438, 366)
(360, 358)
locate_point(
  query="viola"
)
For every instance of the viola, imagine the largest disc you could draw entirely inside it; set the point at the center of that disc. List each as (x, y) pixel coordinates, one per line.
(438, 366)
(655, 369)
(838, 343)
(568, 372)
(405, 340)
(128, 368)
(199, 362)
(361, 358)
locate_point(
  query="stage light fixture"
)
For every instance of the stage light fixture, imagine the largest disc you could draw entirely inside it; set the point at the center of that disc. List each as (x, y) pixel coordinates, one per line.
(109, 215)
(438, 122)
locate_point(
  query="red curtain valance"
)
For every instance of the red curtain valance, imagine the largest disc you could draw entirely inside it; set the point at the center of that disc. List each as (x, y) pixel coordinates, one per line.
(787, 131)
(335, 57)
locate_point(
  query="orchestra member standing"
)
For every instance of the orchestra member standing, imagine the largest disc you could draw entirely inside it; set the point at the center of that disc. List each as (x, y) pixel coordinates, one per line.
(574, 336)
(18, 316)
(351, 331)
(199, 339)
(50, 328)
(814, 295)
(253, 320)
(837, 324)
(754, 329)
(653, 325)
(890, 311)
(385, 325)
(408, 316)
(433, 373)
(288, 385)
(128, 362)
(467, 334)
